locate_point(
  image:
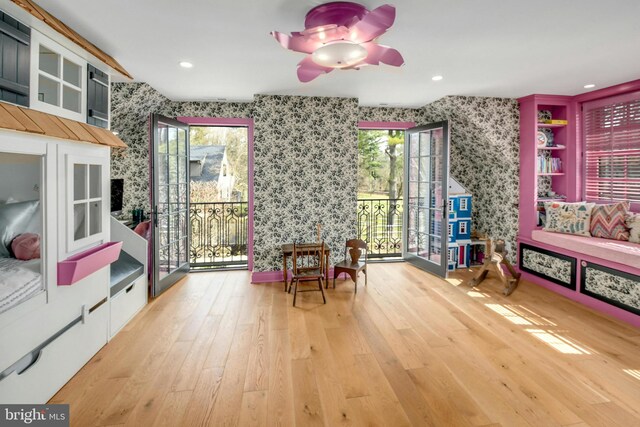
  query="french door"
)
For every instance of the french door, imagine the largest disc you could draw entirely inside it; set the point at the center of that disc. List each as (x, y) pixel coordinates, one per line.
(425, 226)
(169, 201)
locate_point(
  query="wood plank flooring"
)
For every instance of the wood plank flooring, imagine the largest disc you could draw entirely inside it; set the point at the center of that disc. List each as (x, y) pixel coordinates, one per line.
(409, 349)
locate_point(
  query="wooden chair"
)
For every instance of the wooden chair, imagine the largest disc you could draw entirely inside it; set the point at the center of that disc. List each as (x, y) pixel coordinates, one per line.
(308, 265)
(353, 263)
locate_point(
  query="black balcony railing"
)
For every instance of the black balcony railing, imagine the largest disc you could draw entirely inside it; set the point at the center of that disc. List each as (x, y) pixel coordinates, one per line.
(219, 231)
(219, 234)
(380, 225)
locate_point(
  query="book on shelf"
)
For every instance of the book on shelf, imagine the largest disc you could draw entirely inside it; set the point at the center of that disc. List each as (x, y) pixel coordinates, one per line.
(556, 122)
(549, 164)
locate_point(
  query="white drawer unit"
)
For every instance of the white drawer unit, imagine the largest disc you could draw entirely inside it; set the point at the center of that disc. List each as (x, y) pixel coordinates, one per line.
(126, 303)
(58, 361)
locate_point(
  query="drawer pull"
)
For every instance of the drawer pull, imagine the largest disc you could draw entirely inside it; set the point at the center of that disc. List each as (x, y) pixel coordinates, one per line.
(34, 360)
(92, 309)
(129, 288)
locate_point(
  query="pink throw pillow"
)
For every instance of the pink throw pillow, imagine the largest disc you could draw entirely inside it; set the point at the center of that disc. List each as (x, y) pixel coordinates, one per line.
(26, 246)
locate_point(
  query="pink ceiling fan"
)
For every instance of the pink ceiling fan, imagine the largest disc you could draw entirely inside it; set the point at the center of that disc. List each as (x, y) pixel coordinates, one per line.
(341, 35)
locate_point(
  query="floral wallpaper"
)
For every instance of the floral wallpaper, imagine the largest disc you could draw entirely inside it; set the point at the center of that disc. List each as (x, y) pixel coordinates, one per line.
(131, 104)
(305, 170)
(612, 287)
(305, 159)
(547, 265)
(485, 159)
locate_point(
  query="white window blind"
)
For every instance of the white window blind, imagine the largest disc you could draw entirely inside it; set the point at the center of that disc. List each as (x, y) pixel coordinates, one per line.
(612, 149)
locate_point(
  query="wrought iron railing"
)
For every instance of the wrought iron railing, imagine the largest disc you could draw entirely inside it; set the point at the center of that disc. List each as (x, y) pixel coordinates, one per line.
(219, 231)
(380, 225)
(219, 234)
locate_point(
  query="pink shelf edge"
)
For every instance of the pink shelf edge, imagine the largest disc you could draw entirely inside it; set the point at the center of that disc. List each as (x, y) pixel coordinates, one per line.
(552, 148)
(79, 266)
(549, 125)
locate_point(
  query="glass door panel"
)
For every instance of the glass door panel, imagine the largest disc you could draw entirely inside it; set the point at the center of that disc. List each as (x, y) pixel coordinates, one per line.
(170, 166)
(425, 226)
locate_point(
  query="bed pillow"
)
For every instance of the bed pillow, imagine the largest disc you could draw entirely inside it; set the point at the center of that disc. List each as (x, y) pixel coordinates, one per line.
(26, 246)
(569, 218)
(14, 220)
(633, 222)
(608, 221)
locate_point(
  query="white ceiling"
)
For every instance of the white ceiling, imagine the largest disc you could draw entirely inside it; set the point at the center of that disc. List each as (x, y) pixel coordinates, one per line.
(505, 48)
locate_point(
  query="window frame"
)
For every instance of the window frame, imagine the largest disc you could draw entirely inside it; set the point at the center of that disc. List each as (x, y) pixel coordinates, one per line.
(461, 225)
(589, 105)
(463, 204)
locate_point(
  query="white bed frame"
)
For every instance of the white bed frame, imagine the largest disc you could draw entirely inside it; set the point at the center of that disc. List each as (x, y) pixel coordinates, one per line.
(28, 325)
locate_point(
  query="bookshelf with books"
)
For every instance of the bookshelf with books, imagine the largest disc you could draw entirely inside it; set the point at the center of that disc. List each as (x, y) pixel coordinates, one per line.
(548, 157)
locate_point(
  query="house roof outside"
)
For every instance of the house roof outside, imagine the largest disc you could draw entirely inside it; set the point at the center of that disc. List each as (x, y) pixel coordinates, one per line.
(211, 157)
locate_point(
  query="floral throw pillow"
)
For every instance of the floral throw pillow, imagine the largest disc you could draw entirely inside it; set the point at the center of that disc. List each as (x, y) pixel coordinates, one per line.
(569, 218)
(608, 221)
(633, 222)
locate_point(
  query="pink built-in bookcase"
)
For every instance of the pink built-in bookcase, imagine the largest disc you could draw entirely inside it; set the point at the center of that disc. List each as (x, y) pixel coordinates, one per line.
(570, 183)
(235, 122)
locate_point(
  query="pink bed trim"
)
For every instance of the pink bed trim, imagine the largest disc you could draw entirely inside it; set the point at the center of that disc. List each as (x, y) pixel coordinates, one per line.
(612, 250)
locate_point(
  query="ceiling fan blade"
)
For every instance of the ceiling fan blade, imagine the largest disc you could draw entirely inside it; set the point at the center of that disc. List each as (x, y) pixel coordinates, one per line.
(373, 24)
(297, 43)
(309, 70)
(385, 54)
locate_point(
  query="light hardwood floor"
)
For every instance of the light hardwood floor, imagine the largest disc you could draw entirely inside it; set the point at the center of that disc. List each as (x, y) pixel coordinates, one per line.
(409, 349)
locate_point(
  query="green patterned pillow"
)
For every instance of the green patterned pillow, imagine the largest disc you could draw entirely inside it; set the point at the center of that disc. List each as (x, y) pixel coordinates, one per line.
(569, 218)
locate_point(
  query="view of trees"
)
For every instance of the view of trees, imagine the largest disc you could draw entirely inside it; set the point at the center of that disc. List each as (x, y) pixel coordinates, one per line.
(380, 163)
(235, 140)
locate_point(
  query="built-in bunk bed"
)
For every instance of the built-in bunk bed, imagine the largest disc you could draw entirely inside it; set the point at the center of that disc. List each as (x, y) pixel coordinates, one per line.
(54, 319)
(57, 240)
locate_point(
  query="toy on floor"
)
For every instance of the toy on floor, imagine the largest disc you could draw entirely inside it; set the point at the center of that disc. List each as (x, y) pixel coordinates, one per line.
(493, 263)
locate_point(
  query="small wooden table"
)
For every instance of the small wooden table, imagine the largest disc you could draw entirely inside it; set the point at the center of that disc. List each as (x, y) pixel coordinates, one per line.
(287, 251)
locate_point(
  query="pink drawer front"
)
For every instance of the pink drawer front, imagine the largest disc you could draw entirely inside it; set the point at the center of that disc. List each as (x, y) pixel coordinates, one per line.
(83, 264)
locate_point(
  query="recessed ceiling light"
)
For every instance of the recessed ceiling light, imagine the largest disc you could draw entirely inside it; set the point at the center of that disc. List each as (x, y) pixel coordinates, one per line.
(185, 64)
(436, 78)
(589, 86)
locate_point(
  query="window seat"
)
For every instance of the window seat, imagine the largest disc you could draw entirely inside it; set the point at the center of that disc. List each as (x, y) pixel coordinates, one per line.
(612, 250)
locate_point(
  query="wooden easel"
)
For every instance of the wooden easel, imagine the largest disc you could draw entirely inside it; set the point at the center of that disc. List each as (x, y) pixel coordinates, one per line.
(498, 256)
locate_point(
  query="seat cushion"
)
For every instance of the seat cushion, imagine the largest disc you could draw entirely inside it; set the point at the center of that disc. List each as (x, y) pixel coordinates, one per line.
(626, 253)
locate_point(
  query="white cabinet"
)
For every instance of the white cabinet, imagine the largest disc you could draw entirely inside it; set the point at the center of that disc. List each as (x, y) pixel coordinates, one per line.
(58, 84)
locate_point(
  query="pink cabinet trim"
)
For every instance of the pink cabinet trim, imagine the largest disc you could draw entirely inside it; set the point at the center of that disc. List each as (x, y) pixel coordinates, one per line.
(83, 264)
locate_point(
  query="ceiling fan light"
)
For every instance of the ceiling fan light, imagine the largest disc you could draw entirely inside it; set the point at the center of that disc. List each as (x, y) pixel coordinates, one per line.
(339, 54)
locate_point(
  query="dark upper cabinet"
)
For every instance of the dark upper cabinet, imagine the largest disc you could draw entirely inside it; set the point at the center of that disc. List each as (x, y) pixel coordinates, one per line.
(97, 97)
(15, 38)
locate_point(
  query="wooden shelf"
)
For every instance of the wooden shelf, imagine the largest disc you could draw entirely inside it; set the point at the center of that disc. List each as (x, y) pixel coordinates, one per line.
(550, 126)
(550, 174)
